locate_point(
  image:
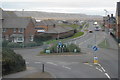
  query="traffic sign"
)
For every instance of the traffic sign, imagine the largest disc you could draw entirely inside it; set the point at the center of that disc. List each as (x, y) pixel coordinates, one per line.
(95, 48)
(60, 43)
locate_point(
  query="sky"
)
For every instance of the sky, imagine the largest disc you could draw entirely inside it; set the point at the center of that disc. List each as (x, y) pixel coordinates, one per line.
(89, 7)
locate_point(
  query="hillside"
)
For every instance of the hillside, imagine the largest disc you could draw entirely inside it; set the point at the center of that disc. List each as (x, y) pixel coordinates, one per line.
(60, 16)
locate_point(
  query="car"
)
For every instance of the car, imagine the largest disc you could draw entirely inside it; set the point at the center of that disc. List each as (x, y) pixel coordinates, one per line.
(96, 28)
(90, 31)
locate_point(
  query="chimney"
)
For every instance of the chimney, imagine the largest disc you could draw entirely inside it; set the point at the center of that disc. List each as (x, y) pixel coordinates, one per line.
(111, 15)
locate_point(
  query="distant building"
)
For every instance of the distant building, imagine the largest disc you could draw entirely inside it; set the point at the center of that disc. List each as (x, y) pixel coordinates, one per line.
(52, 28)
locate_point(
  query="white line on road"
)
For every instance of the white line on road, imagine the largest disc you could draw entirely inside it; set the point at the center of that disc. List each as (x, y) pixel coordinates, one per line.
(103, 69)
(107, 75)
(51, 63)
(37, 62)
(66, 67)
(99, 69)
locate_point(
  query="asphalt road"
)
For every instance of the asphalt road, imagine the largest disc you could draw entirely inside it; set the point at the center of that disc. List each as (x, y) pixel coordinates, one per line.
(75, 66)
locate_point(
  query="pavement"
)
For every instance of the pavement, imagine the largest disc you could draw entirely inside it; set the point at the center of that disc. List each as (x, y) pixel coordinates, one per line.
(75, 66)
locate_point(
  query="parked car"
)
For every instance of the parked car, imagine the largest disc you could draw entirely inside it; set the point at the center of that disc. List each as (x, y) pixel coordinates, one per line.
(90, 31)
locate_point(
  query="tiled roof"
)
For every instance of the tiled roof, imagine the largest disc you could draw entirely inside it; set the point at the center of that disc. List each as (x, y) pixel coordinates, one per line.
(18, 22)
(46, 22)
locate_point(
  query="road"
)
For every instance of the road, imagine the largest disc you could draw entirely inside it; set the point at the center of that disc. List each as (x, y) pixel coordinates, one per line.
(75, 66)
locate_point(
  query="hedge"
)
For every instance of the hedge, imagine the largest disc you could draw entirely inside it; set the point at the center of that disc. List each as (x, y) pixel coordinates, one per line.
(11, 62)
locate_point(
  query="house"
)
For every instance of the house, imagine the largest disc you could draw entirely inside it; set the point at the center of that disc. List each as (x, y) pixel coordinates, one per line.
(17, 29)
(118, 21)
(52, 28)
(109, 23)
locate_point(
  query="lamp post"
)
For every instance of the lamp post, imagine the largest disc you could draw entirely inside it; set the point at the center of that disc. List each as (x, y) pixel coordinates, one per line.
(95, 57)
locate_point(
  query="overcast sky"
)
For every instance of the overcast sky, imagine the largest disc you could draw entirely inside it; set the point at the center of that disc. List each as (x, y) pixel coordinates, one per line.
(90, 7)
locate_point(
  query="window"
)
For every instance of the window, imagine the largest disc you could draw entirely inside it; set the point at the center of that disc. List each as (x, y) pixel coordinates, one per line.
(4, 29)
(20, 39)
(31, 38)
(21, 30)
(14, 30)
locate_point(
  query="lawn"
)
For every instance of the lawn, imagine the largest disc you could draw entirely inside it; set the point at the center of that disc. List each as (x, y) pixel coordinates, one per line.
(77, 34)
(72, 25)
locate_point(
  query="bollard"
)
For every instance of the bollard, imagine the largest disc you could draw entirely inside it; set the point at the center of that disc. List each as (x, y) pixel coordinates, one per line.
(42, 67)
(95, 60)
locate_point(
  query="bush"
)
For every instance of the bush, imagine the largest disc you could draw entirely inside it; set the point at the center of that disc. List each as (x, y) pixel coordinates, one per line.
(71, 48)
(5, 43)
(42, 37)
(11, 62)
(14, 45)
(68, 48)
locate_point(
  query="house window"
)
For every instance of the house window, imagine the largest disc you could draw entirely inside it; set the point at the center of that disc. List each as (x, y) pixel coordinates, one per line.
(31, 38)
(21, 30)
(14, 30)
(20, 39)
(4, 29)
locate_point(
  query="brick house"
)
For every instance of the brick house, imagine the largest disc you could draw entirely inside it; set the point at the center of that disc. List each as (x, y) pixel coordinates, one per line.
(17, 29)
(50, 27)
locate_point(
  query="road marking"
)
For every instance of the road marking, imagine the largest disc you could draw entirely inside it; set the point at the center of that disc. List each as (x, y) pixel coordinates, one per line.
(99, 69)
(103, 69)
(86, 41)
(66, 67)
(52, 63)
(37, 62)
(107, 75)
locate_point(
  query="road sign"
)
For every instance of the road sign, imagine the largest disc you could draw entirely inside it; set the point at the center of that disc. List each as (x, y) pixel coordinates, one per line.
(95, 48)
(60, 43)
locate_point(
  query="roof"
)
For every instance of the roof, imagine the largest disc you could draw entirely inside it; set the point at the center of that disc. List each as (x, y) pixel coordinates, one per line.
(48, 22)
(18, 22)
(59, 29)
(7, 14)
(17, 35)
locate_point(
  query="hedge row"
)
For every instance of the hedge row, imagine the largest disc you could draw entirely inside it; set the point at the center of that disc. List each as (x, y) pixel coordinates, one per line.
(11, 62)
(19, 45)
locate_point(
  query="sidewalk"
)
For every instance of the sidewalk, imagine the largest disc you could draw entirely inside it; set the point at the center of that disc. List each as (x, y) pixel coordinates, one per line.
(31, 72)
(113, 44)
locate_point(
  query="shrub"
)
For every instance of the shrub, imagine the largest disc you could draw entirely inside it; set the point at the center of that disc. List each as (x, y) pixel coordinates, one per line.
(5, 43)
(42, 37)
(11, 62)
(71, 48)
(14, 45)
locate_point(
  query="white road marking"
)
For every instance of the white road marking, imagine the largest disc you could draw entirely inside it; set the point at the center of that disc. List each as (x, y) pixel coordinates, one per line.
(37, 62)
(52, 63)
(103, 69)
(86, 41)
(66, 67)
(107, 75)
